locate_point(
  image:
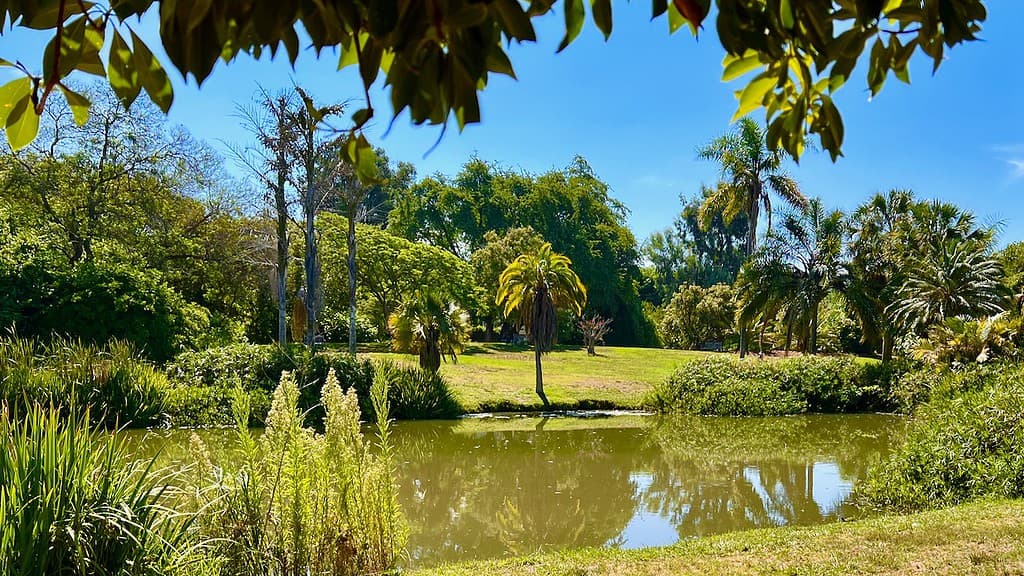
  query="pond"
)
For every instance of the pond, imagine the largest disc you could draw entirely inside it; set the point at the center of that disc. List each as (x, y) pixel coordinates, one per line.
(497, 486)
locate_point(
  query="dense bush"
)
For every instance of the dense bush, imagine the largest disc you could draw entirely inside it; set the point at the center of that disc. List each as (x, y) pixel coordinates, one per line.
(114, 381)
(733, 387)
(204, 383)
(96, 302)
(73, 502)
(966, 443)
(697, 315)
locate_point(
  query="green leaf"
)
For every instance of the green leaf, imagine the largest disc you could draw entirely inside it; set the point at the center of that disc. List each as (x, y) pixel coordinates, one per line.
(752, 97)
(675, 19)
(573, 22)
(602, 13)
(786, 14)
(152, 75)
(12, 93)
(22, 123)
(736, 66)
(79, 104)
(121, 70)
(43, 14)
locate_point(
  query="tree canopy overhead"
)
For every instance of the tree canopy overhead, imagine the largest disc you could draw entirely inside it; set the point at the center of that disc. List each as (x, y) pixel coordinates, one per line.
(436, 55)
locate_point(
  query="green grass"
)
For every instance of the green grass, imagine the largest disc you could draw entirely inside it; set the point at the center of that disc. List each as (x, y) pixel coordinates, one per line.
(492, 377)
(980, 538)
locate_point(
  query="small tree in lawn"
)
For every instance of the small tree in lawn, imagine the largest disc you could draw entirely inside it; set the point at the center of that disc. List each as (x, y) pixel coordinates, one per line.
(534, 286)
(594, 329)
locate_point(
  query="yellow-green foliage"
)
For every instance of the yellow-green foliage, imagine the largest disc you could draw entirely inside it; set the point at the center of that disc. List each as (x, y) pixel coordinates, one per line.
(305, 502)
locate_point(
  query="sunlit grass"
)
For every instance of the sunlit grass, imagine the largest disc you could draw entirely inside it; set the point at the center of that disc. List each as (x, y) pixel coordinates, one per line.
(498, 376)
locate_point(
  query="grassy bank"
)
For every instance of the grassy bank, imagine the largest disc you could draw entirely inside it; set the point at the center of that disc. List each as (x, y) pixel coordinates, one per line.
(500, 377)
(980, 538)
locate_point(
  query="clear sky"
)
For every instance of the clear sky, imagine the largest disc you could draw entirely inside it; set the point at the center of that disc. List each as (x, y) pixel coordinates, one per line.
(638, 106)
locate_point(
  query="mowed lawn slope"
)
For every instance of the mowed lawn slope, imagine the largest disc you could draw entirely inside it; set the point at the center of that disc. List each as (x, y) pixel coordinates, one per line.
(983, 538)
(501, 377)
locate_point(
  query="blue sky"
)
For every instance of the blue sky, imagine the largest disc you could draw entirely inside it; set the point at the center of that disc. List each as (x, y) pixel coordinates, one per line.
(638, 106)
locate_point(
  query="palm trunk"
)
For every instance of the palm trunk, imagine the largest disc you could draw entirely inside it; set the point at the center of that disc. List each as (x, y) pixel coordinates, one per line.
(743, 341)
(812, 335)
(540, 376)
(753, 215)
(886, 346)
(351, 282)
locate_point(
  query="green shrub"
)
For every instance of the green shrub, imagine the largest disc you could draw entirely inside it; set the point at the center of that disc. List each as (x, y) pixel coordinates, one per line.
(73, 502)
(966, 443)
(204, 381)
(733, 387)
(414, 393)
(96, 302)
(118, 386)
(304, 502)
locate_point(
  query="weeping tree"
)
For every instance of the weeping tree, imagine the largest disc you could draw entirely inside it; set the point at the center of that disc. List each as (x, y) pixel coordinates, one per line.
(532, 289)
(429, 327)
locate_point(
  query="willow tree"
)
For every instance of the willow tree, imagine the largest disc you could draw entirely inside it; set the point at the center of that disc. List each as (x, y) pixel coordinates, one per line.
(533, 288)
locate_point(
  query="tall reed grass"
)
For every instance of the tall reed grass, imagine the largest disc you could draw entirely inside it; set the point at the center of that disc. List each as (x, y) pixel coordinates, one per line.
(114, 382)
(302, 502)
(72, 502)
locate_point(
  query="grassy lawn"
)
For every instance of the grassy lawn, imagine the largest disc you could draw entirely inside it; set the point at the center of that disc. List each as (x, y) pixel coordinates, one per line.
(501, 377)
(985, 538)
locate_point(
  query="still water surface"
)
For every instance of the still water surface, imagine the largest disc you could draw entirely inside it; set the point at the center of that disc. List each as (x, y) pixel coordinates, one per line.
(491, 487)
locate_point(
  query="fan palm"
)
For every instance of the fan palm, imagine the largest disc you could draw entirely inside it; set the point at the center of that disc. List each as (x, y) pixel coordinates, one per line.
(750, 173)
(956, 278)
(534, 287)
(427, 326)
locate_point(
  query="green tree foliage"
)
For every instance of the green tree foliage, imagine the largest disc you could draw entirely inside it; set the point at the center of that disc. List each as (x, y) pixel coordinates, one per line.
(570, 208)
(436, 61)
(391, 270)
(491, 260)
(430, 328)
(961, 341)
(535, 286)
(697, 315)
(751, 173)
(694, 253)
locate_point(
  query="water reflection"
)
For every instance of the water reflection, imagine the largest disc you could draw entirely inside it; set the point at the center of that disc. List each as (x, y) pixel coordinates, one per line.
(480, 490)
(486, 488)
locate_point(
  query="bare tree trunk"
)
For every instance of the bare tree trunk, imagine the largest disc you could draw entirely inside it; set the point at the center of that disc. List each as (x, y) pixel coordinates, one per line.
(351, 280)
(540, 376)
(312, 274)
(743, 341)
(281, 206)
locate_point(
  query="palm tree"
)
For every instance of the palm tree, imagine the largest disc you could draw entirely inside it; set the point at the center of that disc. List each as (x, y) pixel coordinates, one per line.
(878, 251)
(536, 286)
(429, 327)
(798, 267)
(956, 278)
(750, 172)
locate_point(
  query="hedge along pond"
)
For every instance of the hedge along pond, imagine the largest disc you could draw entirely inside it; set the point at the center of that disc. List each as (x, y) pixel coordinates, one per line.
(500, 486)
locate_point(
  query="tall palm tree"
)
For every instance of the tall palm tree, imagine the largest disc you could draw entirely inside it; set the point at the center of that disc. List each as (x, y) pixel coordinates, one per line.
(536, 286)
(750, 173)
(429, 327)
